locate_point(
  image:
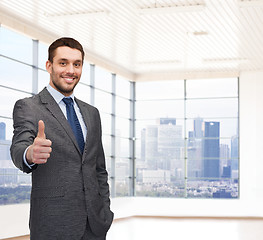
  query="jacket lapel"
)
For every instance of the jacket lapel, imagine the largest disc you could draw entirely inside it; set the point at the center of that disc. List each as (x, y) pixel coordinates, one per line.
(56, 112)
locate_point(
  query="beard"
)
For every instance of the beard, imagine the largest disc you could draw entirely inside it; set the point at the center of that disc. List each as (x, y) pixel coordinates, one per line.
(62, 89)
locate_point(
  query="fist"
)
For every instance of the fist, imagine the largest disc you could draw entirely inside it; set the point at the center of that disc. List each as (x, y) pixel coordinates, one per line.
(40, 150)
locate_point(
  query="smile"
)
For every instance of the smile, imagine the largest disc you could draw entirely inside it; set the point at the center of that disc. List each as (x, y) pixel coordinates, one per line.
(69, 79)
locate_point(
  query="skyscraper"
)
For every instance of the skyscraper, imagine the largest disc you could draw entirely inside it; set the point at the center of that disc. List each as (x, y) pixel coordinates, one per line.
(234, 153)
(211, 150)
(161, 145)
(170, 143)
(225, 164)
(151, 146)
(194, 149)
(198, 132)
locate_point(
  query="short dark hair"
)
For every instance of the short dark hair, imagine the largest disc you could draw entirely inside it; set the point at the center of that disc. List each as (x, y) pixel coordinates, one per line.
(64, 41)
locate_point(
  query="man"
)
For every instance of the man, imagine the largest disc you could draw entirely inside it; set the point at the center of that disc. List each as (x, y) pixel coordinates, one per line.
(70, 193)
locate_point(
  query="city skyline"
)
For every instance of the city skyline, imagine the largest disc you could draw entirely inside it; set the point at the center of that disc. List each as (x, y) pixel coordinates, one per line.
(162, 155)
(164, 159)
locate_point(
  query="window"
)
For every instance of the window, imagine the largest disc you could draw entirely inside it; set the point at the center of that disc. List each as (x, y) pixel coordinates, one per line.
(16, 46)
(187, 138)
(181, 137)
(20, 77)
(16, 83)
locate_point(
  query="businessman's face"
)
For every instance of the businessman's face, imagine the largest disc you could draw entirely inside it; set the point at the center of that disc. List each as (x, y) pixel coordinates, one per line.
(65, 70)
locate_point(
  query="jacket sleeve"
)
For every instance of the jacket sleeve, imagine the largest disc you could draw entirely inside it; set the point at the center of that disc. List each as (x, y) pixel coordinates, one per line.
(25, 130)
(102, 174)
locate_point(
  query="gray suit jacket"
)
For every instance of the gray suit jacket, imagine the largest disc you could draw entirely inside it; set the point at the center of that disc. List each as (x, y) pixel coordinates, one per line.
(71, 189)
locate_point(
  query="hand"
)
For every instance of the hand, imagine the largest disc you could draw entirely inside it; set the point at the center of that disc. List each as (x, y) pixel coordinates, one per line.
(40, 150)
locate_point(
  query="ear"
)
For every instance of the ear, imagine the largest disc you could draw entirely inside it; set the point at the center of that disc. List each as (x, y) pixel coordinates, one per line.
(48, 66)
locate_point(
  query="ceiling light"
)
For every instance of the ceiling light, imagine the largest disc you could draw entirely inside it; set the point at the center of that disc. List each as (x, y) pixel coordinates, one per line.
(171, 9)
(159, 62)
(200, 33)
(81, 15)
(208, 60)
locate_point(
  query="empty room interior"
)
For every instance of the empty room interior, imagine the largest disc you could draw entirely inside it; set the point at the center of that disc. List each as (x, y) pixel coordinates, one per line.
(179, 88)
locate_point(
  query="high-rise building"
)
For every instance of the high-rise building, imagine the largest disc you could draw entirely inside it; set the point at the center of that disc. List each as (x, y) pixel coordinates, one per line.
(198, 130)
(211, 150)
(143, 132)
(224, 158)
(170, 143)
(161, 145)
(8, 172)
(194, 149)
(234, 153)
(151, 146)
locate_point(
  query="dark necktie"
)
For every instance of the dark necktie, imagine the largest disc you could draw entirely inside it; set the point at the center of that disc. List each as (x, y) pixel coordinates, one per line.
(74, 122)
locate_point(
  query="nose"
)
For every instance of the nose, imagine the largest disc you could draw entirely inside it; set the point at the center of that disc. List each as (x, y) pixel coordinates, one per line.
(70, 68)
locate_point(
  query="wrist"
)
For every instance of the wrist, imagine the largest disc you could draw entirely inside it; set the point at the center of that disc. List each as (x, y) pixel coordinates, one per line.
(28, 155)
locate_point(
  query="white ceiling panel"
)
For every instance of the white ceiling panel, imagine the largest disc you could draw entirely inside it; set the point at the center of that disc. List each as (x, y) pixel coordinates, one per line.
(150, 39)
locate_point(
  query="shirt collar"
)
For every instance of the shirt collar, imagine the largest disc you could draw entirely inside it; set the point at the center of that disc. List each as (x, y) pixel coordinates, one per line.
(57, 95)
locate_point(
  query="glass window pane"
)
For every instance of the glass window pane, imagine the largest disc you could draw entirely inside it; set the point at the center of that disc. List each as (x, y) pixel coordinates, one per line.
(122, 184)
(122, 177)
(15, 185)
(43, 79)
(158, 183)
(103, 79)
(210, 148)
(161, 144)
(199, 188)
(141, 125)
(103, 101)
(220, 150)
(85, 76)
(21, 78)
(6, 107)
(122, 147)
(228, 127)
(160, 90)
(122, 107)
(6, 129)
(159, 109)
(106, 142)
(204, 108)
(122, 87)
(42, 55)
(122, 127)
(106, 123)
(15, 45)
(226, 87)
(82, 92)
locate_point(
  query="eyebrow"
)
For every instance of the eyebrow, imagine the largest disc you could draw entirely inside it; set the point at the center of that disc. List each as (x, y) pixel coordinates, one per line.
(65, 59)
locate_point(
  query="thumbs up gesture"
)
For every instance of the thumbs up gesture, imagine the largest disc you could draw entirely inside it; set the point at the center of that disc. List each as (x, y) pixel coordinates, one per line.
(40, 150)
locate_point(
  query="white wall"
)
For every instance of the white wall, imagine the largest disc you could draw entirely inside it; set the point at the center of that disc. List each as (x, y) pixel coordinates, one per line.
(14, 219)
(251, 141)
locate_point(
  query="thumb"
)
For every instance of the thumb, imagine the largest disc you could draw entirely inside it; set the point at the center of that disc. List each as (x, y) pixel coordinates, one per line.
(41, 129)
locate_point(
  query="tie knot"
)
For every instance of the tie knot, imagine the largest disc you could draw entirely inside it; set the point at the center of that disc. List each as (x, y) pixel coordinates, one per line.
(68, 101)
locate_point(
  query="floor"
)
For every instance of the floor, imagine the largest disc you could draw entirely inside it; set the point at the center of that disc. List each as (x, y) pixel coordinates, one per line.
(158, 228)
(186, 229)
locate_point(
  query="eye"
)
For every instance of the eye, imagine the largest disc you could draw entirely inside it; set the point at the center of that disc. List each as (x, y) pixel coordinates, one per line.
(62, 63)
(77, 64)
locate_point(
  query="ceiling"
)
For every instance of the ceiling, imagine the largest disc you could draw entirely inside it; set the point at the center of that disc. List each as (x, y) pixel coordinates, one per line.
(150, 39)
